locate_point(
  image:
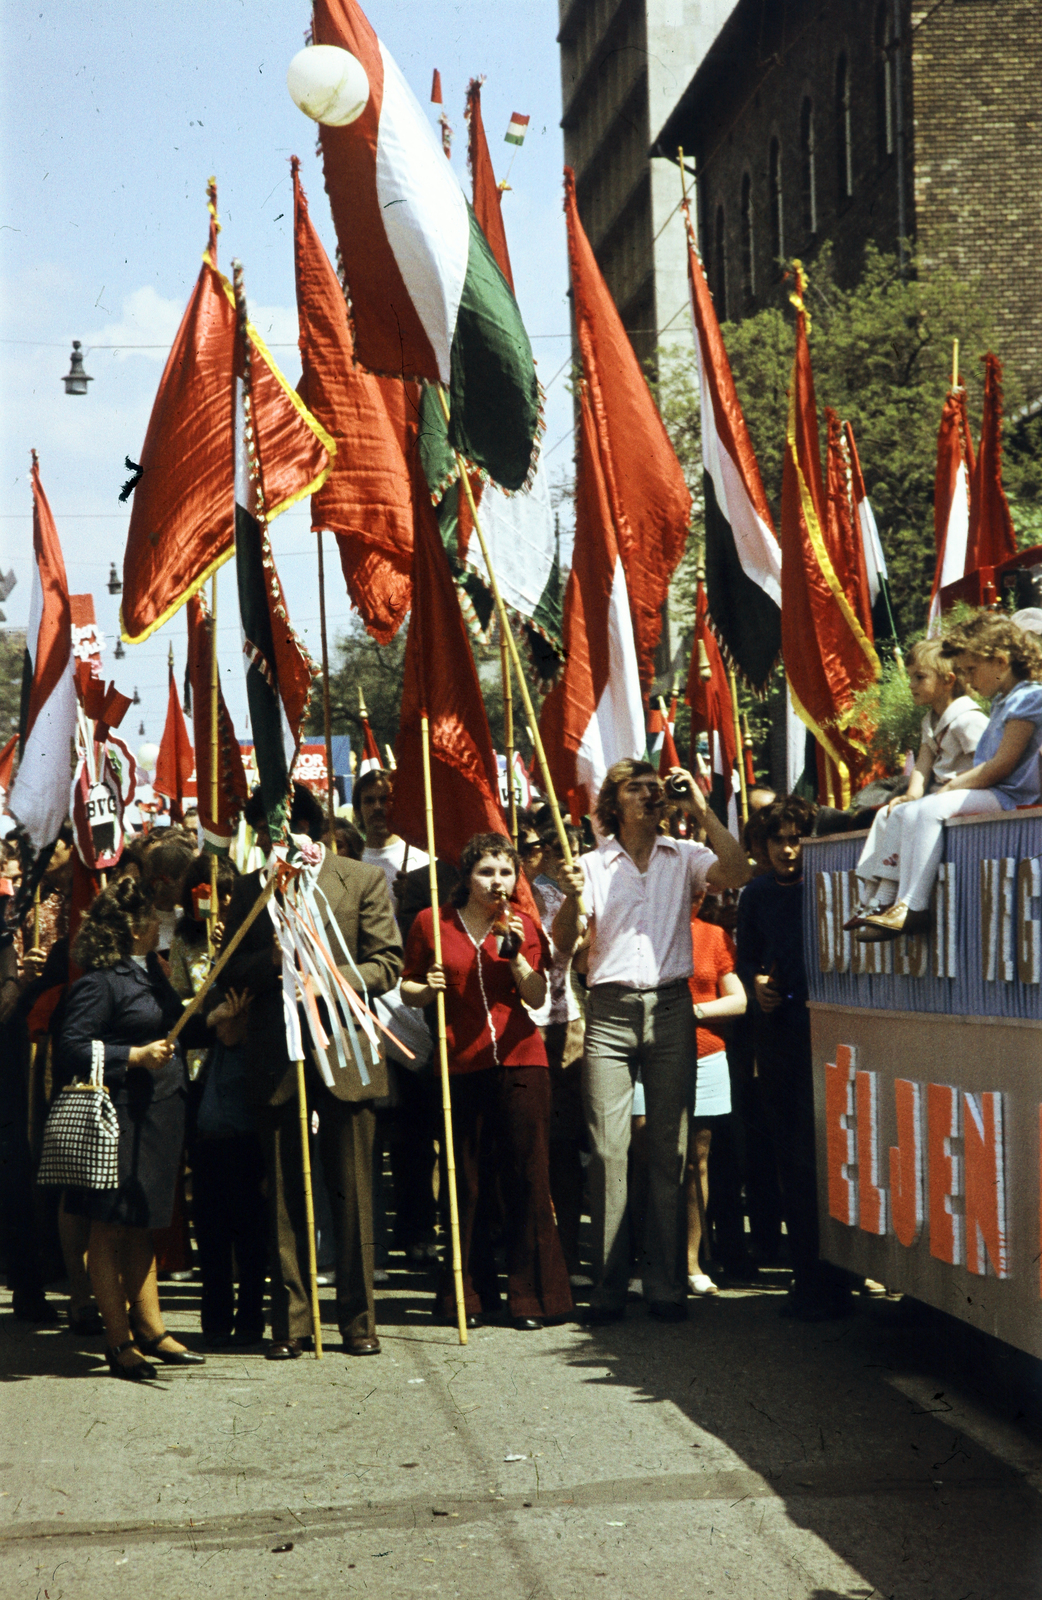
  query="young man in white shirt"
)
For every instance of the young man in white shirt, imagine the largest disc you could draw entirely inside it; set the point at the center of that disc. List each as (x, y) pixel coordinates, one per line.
(638, 888)
(371, 799)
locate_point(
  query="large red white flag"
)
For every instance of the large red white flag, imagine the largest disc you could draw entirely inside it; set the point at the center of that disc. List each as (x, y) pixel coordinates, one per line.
(951, 499)
(743, 558)
(366, 502)
(649, 502)
(595, 713)
(39, 797)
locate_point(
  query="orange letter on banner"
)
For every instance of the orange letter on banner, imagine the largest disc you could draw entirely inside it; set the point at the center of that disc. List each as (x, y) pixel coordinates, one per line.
(984, 1153)
(906, 1163)
(839, 1134)
(870, 1197)
(946, 1225)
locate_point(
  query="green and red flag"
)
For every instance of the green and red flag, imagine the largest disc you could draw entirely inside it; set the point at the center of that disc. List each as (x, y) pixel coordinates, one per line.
(516, 129)
(428, 298)
(182, 525)
(279, 671)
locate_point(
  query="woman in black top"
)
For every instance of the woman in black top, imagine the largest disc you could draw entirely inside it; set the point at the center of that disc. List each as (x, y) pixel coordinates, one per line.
(125, 1001)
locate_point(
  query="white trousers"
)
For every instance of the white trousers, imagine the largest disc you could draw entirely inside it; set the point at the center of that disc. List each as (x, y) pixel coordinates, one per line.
(908, 844)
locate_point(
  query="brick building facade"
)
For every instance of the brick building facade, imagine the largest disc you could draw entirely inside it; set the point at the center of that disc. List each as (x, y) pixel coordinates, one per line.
(851, 120)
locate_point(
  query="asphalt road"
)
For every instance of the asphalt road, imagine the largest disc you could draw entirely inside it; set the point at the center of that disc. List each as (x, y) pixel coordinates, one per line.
(738, 1454)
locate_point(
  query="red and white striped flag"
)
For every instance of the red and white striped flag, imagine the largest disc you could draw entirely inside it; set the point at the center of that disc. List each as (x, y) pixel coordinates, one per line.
(515, 134)
(47, 723)
(951, 499)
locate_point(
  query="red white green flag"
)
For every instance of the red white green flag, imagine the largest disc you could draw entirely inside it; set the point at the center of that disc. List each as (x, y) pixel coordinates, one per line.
(515, 133)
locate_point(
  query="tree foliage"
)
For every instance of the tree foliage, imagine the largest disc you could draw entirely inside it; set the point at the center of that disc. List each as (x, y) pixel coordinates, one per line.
(12, 657)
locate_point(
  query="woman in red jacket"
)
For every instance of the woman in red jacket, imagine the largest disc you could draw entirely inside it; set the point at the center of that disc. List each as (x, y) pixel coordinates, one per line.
(493, 963)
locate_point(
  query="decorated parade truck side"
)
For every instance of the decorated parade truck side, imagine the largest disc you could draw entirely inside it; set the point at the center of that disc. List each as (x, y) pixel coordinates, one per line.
(927, 1059)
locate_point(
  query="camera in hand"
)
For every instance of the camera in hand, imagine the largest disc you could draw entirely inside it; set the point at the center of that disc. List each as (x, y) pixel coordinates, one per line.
(676, 786)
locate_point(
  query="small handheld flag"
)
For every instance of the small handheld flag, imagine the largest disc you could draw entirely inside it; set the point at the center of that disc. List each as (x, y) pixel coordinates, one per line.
(436, 99)
(515, 134)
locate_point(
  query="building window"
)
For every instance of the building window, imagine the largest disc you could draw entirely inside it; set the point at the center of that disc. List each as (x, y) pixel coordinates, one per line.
(844, 148)
(884, 53)
(748, 266)
(774, 188)
(720, 266)
(808, 185)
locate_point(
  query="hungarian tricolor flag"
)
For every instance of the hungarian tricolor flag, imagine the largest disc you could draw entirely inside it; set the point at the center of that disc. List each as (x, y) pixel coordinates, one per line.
(743, 559)
(488, 196)
(366, 501)
(441, 682)
(176, 759)
(645, 490)
(842, 530)
(39, 798)
(951, 499)
(182, 525)
(828, 655)
(712, 713)
(991, 538)
(428, 299)
(217, 824)
(595, 713)
(871, 546)
(278, 668)
(516, 128)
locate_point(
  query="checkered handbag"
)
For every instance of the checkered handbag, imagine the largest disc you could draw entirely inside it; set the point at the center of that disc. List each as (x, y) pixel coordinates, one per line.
(81, 1134)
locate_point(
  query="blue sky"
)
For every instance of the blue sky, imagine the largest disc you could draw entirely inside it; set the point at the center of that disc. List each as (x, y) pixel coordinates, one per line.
(114, 116)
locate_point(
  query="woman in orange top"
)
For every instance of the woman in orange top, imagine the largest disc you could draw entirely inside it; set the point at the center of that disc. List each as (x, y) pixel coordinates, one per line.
(717, 992)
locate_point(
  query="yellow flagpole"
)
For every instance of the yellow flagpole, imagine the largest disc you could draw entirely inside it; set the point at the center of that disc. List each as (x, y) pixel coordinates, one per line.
(443, 1048)
(508, 735)
(506, 633)
(325, 693)
(309, 1210)
(739, 745)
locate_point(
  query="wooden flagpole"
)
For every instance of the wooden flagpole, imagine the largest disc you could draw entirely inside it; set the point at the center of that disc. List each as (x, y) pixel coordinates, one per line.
(508, 735)
(325, 693)
(226, 954)
(309, 1210)
(443, 1049)
(739, 746)
(506, 633)
(34, 1048)
(215, 747)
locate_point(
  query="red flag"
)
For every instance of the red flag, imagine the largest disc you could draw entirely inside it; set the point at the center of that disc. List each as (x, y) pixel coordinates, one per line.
(7, 755)
(488, 196)
(182, 526)
(668, 753)
(176, 760)
(436, 99)
(843, 532)
(649, 500)
(232, 789)
(828, 656)
(371, 760)
(366, 501)
(712, 713)
(47, 720)
(594, 715)
(441, 681)
(951, 498)
(991, 537)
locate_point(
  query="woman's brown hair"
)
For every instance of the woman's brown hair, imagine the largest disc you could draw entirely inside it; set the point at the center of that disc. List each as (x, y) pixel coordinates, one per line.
(482, 844)
(106, 935)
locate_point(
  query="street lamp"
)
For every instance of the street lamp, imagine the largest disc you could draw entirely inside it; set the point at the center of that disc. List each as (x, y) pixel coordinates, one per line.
(137, 698)
(119, 651)
(115, 586)
(76, 380)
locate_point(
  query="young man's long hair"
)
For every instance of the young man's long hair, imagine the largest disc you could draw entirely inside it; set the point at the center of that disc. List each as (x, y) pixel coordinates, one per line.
(606, 811)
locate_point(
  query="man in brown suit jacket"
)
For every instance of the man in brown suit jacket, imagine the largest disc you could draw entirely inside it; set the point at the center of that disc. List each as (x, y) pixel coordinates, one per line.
(359, 901)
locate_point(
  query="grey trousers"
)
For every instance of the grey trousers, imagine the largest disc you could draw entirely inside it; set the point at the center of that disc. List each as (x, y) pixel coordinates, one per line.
(651, 1031)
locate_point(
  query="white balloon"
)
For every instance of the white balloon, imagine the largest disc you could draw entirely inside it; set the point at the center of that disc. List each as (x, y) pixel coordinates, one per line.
(328, 84)
(147, 756)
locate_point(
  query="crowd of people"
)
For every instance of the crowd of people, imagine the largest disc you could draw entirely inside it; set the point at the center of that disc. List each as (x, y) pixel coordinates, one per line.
(626, 1029)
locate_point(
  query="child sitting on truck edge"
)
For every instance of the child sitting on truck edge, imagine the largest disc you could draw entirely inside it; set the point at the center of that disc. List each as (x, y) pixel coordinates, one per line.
(951, 729)
(1001, 662)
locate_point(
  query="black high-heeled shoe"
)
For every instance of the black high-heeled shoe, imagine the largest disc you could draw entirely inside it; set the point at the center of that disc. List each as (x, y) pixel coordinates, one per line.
(170, 1358)
(140, 1372)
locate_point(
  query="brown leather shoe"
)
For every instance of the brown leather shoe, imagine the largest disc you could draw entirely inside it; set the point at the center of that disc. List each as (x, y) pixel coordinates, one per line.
(362, 1344)
(284, 1350)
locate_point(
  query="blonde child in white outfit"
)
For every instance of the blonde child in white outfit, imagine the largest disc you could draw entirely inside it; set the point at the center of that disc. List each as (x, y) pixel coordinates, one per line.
(1001, 664)
(950, 730)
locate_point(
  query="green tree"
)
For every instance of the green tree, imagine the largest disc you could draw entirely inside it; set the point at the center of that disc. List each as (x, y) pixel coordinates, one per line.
(12, 657)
